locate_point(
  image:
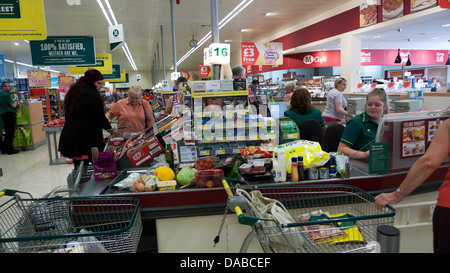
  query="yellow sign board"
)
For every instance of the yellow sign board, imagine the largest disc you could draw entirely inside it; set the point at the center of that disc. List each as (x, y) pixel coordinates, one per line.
(123, 77)
(103, 64)
(22, 20)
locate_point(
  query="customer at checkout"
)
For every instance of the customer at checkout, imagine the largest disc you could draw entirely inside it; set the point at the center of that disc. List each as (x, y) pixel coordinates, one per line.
(289, 88)
(175, 100)
(301, 108)
(361, 130)
(436, 153)
(336, 103)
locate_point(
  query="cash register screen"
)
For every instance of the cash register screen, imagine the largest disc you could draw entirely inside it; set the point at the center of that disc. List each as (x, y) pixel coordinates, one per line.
(277, 109)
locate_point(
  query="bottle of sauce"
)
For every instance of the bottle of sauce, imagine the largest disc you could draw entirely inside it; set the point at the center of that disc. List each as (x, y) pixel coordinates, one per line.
(300, 168)
(169, 156)
(294, 169)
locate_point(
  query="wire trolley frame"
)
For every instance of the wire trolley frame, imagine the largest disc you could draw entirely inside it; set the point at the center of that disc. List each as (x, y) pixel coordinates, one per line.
(309, 218)
(89, 224)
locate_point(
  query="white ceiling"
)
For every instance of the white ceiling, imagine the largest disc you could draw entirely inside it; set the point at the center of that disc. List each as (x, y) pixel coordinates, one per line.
(142, 20)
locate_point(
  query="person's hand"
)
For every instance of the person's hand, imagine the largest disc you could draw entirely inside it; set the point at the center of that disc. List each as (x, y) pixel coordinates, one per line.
(384, 199)
(350, 116)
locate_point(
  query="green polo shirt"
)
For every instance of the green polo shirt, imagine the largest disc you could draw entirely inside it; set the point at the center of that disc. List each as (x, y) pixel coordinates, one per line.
(359, 131)
(313, 114)
(6, 102)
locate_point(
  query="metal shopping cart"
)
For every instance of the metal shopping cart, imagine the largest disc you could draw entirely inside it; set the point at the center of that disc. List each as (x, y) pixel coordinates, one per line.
(49, 225)
(309, 218)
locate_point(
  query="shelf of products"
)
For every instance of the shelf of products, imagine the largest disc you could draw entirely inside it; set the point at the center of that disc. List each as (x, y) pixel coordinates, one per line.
(51, 103)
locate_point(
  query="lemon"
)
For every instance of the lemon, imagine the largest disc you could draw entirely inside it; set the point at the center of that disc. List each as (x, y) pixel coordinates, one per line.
(164, 173)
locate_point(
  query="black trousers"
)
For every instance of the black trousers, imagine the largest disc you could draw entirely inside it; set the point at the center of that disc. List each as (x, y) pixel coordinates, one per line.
(441, 230)
(9, 125)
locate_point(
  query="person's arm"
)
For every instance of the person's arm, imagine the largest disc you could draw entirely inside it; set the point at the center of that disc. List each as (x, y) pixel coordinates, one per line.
(168, 109)
(422, 168)
(341, 110)
(352, 152)
(150, 117)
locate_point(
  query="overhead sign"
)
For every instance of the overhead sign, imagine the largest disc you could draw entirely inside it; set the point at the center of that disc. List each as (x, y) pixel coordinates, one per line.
(63, 50)
(2, 66)
(116, 36)
(417, 57)
(22, 20)
(103, 63)
(262, 53)
(206, 56)
(175, 75)
(39, 78)
(205, 71)
(115, 75)
(219, 53)
(122, 78)
(445, 4)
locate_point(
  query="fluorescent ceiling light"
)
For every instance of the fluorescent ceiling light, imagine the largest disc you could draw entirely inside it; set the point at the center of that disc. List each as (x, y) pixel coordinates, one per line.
(241, 6)
(29, 65)
(125, 48)
(16, 44)
(435, 38)
(445, 25)
(269, 14)
(244, 30)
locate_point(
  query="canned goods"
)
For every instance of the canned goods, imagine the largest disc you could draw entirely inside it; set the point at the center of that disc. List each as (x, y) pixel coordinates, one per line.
(324, 173)
(313, 173)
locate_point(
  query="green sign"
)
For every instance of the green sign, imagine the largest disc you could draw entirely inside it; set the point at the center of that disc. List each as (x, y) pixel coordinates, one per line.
(115, 74)
(9, 9)
(63, 50)
(379, 158)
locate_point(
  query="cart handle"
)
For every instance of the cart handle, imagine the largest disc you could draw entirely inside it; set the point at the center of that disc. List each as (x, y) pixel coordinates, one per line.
(242, 219)
(8, 192)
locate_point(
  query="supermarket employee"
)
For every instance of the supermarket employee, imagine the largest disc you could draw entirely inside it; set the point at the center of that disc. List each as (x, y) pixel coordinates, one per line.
(361, 130)
(8, 116)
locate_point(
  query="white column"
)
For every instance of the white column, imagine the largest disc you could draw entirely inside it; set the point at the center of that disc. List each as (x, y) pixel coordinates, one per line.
(351, 61)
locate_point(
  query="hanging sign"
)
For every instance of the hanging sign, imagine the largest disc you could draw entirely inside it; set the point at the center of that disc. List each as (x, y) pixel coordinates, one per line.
(206, 56)
(63, 50)
(175, 75)
(115, 75)
(116, 36)
(205, 71)
(22, 20)
(64, 83)
(103, 63)
(219, 53)
(262, 53)
(39, 78)
(122, 78)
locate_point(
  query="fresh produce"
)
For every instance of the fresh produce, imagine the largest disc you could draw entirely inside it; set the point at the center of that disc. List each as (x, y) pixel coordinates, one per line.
(145, 183)
(204, 163)
(208, 178)
(164, 173)
(185, 176)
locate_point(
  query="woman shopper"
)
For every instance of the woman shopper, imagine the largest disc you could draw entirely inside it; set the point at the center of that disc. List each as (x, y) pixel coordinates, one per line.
(134, 114)
(361, 130)
(436, 153)
(85, 119)
(336, 103)
(289, 87)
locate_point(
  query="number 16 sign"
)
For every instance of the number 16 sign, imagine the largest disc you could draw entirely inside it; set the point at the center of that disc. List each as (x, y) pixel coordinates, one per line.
(219, 53)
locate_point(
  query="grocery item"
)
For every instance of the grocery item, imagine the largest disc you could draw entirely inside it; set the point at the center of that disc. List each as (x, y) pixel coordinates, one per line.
(167, 185)
(294, 170)
(164, 173)
(252, 168)
(324, 173)
(313, 173)
(185, 176)
(279, 164)
(301, 169)
(208, 178)
(205, 163)
(169, 156)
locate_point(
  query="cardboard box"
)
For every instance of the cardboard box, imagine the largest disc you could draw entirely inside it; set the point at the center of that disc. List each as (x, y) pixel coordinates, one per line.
(239, 84)
(226, 85)
(144, 152)
(199, 86)
(212, 86)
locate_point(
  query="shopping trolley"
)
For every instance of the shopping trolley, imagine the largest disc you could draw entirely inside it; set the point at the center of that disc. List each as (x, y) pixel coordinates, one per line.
(309, 218)
(53, 225)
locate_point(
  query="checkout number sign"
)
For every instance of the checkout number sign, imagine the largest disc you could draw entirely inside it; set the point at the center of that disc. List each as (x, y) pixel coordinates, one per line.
(219, 53)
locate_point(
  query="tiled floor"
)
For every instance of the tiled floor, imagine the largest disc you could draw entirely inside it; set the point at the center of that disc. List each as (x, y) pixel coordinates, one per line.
(31, 172)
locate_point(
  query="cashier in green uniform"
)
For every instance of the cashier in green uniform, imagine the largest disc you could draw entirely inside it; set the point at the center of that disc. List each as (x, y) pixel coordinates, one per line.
(361, 130)
(301, 108)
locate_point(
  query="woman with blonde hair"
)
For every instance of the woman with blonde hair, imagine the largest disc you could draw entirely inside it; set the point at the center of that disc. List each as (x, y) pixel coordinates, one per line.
(289, 87)
(336, 103)
(133, 113)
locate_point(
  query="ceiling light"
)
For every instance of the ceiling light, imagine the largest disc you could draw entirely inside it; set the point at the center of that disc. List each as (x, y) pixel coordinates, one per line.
(244, 30)
(376, 36)
(445, 25)
(448, 60)
(435, 38)
(398, 59)
(408, 63)
(269, 14)
(16, 44)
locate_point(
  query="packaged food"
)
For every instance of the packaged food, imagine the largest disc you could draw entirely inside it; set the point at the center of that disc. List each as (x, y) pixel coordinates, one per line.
(208, 178)
(252, 168)
(167, 185)
(226, 164)
(207, 162)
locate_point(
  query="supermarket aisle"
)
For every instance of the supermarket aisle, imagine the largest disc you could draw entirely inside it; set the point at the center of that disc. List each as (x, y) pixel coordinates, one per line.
(30, 171)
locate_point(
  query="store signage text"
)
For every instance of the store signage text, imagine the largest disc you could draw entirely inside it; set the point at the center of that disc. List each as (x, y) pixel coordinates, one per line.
(309, 59)
(262, 53)
(10, 9)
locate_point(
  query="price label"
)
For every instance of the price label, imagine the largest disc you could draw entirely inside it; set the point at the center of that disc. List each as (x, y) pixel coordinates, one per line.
(219, 53)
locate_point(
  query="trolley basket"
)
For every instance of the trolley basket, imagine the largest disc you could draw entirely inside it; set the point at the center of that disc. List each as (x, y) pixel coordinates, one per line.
(310, 218)
(77, 224)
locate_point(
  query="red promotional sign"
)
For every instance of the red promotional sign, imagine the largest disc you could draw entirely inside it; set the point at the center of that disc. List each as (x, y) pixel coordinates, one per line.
(445, 4)
(249, 53)
(204, 70)
(417, 57)
(320, 59)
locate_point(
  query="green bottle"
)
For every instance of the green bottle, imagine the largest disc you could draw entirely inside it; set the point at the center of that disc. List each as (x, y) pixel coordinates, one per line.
(169, 156)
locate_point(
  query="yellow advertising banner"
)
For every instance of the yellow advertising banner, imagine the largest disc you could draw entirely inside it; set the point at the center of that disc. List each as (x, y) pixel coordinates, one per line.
(39, 78)
(123, 77)
(103, 64)
(22, 20)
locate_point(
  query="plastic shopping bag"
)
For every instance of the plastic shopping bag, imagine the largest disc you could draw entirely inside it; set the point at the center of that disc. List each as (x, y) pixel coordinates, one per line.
(105, 166)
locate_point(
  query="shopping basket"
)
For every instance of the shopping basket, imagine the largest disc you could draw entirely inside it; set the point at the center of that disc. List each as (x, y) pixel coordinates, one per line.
(86, 225)
(309, 218)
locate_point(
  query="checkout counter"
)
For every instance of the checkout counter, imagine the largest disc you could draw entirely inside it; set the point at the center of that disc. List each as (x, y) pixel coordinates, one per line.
(190, 218)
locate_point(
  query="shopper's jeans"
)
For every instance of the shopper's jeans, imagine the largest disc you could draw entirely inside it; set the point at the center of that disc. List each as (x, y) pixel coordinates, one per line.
(9, 122)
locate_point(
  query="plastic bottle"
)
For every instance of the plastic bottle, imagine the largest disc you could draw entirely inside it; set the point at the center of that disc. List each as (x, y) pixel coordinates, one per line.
(301, 169)
(279, 164)
(294, 169)
(169, 156)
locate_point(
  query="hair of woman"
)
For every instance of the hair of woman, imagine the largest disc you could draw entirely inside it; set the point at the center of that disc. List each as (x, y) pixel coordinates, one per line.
(301, 101)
